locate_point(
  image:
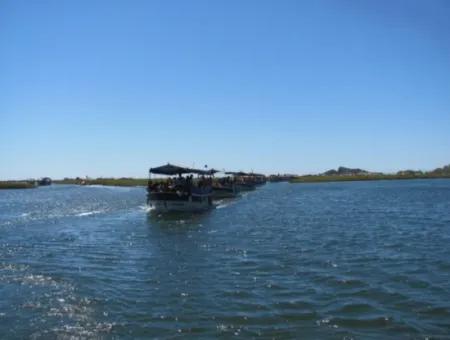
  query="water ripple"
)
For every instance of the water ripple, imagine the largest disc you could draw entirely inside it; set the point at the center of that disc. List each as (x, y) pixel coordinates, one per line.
(331, 260)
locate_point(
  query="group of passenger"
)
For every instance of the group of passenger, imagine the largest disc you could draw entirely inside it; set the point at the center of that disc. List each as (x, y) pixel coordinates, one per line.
(179, 184)
(224, 181)
(187, 184)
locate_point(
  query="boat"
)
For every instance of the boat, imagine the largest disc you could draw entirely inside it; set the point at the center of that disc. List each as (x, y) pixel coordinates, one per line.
(224, 187)
(45, 181)
(257, 179)
(182, 193)
(246, 181)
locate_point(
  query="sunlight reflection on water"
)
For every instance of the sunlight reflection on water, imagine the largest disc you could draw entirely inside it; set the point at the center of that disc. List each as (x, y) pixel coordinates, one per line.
(326, 260)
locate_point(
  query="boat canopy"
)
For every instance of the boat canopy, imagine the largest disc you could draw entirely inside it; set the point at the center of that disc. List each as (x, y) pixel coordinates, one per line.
(170, 169)
(237, 173)
(211, 171)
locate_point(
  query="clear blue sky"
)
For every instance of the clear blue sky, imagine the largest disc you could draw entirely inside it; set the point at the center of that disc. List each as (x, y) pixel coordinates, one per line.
(110, 88)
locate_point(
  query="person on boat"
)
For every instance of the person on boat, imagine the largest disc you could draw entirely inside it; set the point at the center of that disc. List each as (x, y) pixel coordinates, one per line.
(189, 184)
(178, 181)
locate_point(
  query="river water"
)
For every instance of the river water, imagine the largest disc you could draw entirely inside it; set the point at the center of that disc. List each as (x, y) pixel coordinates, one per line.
(328, 260)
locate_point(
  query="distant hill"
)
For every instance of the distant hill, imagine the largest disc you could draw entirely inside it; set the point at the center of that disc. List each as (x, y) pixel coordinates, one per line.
(343, 171)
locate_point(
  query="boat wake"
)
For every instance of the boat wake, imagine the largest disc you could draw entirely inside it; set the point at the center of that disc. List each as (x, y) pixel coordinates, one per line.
(146, 208)
(89, 213)
(108, 187)
(220, 204)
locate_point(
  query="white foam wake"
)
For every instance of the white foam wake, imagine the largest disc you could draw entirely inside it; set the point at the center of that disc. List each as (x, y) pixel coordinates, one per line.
(146, 208)
(88, 213)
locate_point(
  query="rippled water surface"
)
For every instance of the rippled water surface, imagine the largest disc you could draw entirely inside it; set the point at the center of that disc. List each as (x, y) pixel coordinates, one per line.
(330, 260)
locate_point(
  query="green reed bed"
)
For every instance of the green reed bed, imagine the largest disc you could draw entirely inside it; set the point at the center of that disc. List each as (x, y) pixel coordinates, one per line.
(16, 185)
(368, 177)
(122, 182)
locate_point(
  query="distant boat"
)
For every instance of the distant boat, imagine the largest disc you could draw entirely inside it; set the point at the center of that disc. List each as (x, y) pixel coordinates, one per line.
(181, 193)
(224, 187)
(45, 181)
(258, 179)
(247, 181)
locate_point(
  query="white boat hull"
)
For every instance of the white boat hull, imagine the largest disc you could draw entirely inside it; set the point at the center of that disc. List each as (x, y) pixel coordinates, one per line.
(181, 206)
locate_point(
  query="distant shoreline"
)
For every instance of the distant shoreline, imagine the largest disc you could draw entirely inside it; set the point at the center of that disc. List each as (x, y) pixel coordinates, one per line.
(118, 182)
(17, 185)
(340, 175)
(128, 182)
(354, 178)
(142, 182)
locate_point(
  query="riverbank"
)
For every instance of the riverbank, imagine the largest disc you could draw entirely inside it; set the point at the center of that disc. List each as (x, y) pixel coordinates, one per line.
(368, 177)
(16, 185)
(121, 182)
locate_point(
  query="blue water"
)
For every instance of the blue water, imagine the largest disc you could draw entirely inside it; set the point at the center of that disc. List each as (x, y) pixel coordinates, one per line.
(328, 260)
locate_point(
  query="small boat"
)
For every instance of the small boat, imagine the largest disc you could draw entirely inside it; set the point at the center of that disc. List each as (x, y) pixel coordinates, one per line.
(247, 181)
(45, 181)
(182, 193)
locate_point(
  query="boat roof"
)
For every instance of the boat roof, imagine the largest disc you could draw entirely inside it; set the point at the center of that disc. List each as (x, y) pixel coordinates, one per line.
(170, 169)
(211, 171)
(237, 173)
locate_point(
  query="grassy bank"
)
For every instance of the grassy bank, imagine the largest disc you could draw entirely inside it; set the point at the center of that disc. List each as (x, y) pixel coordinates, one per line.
(16, 185)
(368, 177)
(121, 182)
